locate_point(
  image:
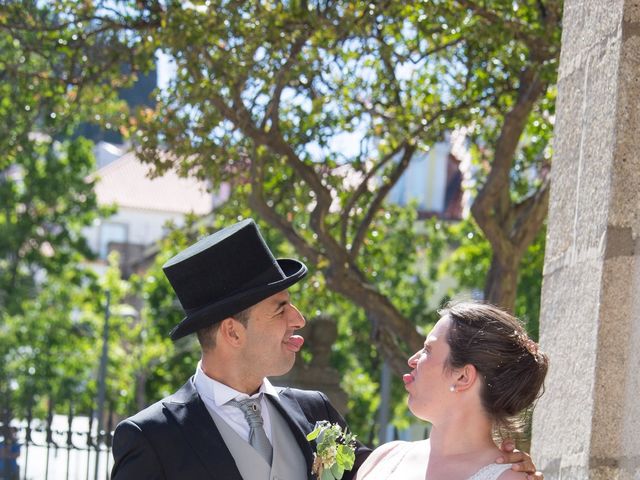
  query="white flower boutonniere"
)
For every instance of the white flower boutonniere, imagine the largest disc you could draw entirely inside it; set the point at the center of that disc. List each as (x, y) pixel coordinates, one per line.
(335, 450)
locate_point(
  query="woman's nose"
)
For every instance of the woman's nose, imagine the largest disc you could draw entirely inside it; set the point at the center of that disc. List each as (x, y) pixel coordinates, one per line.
(412, 360)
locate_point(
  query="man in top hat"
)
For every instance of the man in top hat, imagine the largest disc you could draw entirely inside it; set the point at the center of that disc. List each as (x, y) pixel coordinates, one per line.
(228, 422)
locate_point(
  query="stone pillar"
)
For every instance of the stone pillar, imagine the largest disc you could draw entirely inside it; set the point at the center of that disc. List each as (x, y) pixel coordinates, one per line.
(587, 424)
(320, 334)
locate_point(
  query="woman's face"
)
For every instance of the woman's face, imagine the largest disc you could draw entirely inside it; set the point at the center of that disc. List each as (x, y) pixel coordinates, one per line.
(429, 382)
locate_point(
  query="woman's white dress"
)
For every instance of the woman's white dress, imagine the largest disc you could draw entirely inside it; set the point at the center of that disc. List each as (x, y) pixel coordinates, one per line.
(386, 468)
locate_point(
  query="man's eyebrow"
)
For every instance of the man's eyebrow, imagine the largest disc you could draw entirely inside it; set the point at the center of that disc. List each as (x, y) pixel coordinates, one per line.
(281, 304)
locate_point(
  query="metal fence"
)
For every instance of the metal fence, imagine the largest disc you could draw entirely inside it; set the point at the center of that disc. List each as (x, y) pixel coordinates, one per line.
(59, 447)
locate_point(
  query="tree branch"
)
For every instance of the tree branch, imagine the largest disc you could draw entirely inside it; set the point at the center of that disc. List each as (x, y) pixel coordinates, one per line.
(363, 187)
(272, 112)
(389, 67)
(391, 332)
(531, 217)
(258, 203)
(378, 199)
(517, 29)
(492, 204)
(241, 117)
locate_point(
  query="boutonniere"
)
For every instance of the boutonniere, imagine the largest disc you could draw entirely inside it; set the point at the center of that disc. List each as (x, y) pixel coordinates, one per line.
(335, 450)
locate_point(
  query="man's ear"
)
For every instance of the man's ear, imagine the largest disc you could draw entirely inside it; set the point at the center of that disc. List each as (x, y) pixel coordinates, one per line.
(465, 377)
(231, 332)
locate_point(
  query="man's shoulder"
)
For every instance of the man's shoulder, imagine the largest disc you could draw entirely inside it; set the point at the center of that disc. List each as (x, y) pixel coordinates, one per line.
(303, 396)
(149, 415)
(155, 415)
(298, 392)
(314, 404)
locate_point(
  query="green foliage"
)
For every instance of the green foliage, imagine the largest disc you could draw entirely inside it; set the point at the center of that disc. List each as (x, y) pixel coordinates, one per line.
(46, 352)
(47, 304)
(335, 450)
(46, 200)
(46, 197)
(312, 112)
(468, 259)
(50, 351)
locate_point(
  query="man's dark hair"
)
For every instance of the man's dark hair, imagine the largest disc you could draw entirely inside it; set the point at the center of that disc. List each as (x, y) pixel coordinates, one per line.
(207, 335)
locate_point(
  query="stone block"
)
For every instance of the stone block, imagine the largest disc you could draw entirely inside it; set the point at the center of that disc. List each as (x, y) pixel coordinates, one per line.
(632, 11)
(587, 26)
(626, 172)
(567, 148)
(569, 316)
(602, 20)
(573, 18)
(613, 356)
(596, 146)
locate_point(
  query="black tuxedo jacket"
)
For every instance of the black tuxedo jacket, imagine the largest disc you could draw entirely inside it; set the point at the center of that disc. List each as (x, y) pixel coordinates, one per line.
(176, 438)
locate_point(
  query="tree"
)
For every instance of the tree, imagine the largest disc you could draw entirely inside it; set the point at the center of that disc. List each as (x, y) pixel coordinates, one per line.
(317, 108)
(514, 139)
(45, 202)
(46, 194)
(46, 198)
(49, 355)
(469, 260)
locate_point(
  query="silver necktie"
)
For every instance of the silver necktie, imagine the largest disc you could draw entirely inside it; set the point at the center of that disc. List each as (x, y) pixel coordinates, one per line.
(257, 436)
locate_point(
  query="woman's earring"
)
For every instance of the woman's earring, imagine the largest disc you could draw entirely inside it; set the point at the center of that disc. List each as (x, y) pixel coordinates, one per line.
(452, 388)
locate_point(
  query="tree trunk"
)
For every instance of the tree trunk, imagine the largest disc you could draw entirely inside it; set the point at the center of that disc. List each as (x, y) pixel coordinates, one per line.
(394, 335)
(141, 398)
(509, 243)
(502, 280)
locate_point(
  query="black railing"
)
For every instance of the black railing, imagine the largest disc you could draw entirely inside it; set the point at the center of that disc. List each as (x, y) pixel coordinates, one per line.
(65, 447)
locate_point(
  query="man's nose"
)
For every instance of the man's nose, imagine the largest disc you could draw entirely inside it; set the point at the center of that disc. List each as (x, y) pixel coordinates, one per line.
(296, 318)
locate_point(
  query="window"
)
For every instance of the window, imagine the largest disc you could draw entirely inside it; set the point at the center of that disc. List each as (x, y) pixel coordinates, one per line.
(111, 233)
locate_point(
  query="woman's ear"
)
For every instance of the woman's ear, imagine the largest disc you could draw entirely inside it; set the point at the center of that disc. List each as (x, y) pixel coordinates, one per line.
(465, 377)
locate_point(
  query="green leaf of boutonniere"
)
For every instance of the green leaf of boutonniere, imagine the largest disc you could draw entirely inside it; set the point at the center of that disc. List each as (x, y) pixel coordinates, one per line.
(335, 450)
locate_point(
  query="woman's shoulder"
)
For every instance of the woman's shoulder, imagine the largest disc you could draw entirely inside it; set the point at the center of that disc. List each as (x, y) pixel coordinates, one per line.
(382, 454)
(390, 446)
(387, 449)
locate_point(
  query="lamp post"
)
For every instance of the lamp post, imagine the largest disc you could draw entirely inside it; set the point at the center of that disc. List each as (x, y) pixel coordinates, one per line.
(102, 379)
(385, 402)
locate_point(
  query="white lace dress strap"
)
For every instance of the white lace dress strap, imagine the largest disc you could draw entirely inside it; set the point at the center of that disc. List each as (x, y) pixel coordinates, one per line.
(491, 471)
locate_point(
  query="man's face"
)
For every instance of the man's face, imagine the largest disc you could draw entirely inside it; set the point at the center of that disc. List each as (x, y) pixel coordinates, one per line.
(270, 347)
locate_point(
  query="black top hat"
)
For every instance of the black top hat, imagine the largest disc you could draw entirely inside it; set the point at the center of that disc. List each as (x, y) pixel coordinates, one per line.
(225, 273)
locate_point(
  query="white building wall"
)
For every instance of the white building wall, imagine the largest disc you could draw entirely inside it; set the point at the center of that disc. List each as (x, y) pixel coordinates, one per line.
(425, 180)
(142, 227)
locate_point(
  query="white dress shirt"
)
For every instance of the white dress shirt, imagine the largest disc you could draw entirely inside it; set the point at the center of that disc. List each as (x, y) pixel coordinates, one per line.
(215, 395)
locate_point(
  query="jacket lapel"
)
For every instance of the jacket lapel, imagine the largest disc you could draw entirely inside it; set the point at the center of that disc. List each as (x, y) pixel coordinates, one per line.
(291, 411)
(201, 432)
